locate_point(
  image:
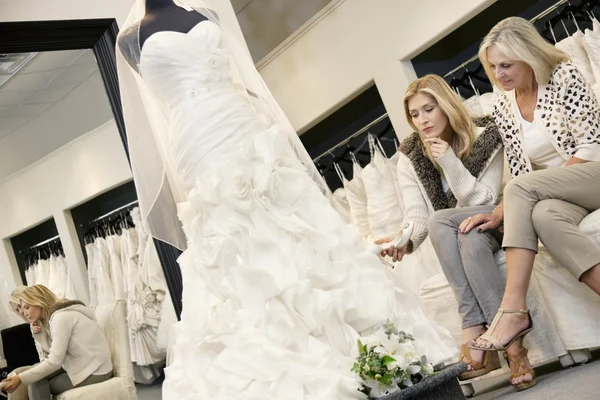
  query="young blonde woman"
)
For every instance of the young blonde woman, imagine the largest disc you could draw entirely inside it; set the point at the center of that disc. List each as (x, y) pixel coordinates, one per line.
(443, 165)
(40, 336)
(78, 346)
(549, 120)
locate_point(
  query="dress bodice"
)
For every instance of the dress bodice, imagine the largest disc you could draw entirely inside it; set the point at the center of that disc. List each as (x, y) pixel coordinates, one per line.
(178, 66)
(190, 75)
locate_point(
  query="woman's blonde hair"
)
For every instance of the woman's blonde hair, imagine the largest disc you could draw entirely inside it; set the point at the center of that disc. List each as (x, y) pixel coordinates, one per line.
(15, 299)
(41, 296)
(519, 40)
(458, 116)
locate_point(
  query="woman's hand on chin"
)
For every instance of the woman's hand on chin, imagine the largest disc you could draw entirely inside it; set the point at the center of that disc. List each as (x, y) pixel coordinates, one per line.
(438, 146)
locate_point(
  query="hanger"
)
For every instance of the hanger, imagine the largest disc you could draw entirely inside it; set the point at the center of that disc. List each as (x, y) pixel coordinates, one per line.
(574, 20)
(552, 31)
(339, 172)
(468, 75)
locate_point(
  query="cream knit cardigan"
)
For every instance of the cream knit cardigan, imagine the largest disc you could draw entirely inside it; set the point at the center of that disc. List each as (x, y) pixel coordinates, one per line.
(468, 189)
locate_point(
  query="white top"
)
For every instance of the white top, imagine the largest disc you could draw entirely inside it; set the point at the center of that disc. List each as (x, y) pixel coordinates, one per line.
(538, 147)
(78, 346)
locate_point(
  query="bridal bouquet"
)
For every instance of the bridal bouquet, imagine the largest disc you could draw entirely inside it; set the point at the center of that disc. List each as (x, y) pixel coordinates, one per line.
(387, 362)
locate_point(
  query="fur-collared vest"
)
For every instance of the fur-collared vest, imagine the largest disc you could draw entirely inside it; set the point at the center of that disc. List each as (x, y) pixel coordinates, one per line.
(474, 181)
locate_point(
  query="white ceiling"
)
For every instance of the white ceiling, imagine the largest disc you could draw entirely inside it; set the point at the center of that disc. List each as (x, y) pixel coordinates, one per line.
(46, 80)
(55, 98)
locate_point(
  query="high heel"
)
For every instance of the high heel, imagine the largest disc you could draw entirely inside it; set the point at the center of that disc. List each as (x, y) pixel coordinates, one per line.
(400, 240)
(516, 363)
(498, 346)
(490, 362)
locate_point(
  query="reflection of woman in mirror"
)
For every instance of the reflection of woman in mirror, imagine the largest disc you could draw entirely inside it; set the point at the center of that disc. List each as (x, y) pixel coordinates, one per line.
(79, 354)
(40, 337)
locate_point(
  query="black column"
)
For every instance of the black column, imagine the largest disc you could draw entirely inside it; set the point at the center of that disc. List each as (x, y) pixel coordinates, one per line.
(105, 51)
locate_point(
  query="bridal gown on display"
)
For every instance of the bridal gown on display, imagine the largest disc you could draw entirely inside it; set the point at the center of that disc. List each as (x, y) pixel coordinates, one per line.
(277, 287)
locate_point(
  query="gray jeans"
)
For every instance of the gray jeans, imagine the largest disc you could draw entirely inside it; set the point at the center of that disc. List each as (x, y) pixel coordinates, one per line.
(468, 263)
(57, 384)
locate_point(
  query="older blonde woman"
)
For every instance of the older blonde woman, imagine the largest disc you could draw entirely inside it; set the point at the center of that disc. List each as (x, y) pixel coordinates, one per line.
(550, 123)
(78, 346)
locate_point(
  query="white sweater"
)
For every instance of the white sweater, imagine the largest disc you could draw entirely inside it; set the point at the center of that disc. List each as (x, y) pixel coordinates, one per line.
(78, 346)
(468, 190)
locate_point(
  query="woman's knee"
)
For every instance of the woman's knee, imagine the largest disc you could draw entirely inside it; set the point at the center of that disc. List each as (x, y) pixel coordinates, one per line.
(517, 187)
(544, 214)
(439, 222)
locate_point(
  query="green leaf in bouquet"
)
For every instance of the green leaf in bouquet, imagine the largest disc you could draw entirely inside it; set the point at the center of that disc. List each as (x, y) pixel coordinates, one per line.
(386, 360)
(361, 348)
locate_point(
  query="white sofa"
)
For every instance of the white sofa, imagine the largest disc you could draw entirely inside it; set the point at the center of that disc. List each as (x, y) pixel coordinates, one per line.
(566, 313)
(112, 319)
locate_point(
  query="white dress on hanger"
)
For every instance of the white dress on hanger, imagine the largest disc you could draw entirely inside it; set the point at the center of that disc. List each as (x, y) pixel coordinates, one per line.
(384, 211)
(339, 201)
(357, 198)
(591, 43)
(276, 287)
(573, 46)
(30, 275)
(101, 291)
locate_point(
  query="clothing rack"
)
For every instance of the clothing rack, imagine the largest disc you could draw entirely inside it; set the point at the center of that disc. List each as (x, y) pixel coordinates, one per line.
(44, 242)
(115, 211)
(351, 137)
(42, 250)
(533, 20)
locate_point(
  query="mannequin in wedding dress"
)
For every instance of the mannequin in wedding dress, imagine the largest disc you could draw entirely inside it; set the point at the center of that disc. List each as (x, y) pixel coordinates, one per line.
(277, 288)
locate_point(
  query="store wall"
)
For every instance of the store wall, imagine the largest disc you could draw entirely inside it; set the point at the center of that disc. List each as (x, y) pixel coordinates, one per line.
(356, 43)
(44, 10)
(81, 170)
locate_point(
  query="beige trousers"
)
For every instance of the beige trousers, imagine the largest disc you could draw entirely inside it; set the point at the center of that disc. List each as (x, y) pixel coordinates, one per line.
(548, 205)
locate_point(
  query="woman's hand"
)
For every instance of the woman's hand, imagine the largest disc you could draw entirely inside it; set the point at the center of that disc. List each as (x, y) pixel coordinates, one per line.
(396, 253)
(438, 146)
(484, 221)
(35, 327)
(13, 383)
(575, 160)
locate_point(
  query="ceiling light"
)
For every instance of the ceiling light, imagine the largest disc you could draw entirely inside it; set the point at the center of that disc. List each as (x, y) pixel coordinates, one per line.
(12, 63)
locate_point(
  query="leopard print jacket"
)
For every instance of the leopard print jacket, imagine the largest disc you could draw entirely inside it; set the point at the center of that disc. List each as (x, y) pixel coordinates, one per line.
(567, 109)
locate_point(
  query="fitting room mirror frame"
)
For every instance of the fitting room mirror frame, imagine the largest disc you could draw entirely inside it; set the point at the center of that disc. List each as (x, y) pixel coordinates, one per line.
(100, 35)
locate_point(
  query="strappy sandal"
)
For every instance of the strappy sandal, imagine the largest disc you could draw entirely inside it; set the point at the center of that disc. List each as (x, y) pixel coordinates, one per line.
(490, 362)
(518, 369)
(498, 346)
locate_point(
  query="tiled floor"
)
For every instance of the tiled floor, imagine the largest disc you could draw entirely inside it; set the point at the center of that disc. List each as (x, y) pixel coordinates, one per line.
(554, 383)
(150, 392)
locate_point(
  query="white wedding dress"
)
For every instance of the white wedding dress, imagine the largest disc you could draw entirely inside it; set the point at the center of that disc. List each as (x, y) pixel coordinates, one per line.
(276, 286)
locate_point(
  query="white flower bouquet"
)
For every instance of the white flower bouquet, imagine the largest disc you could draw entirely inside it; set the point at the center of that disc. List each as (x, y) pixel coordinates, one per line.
(387, 362)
